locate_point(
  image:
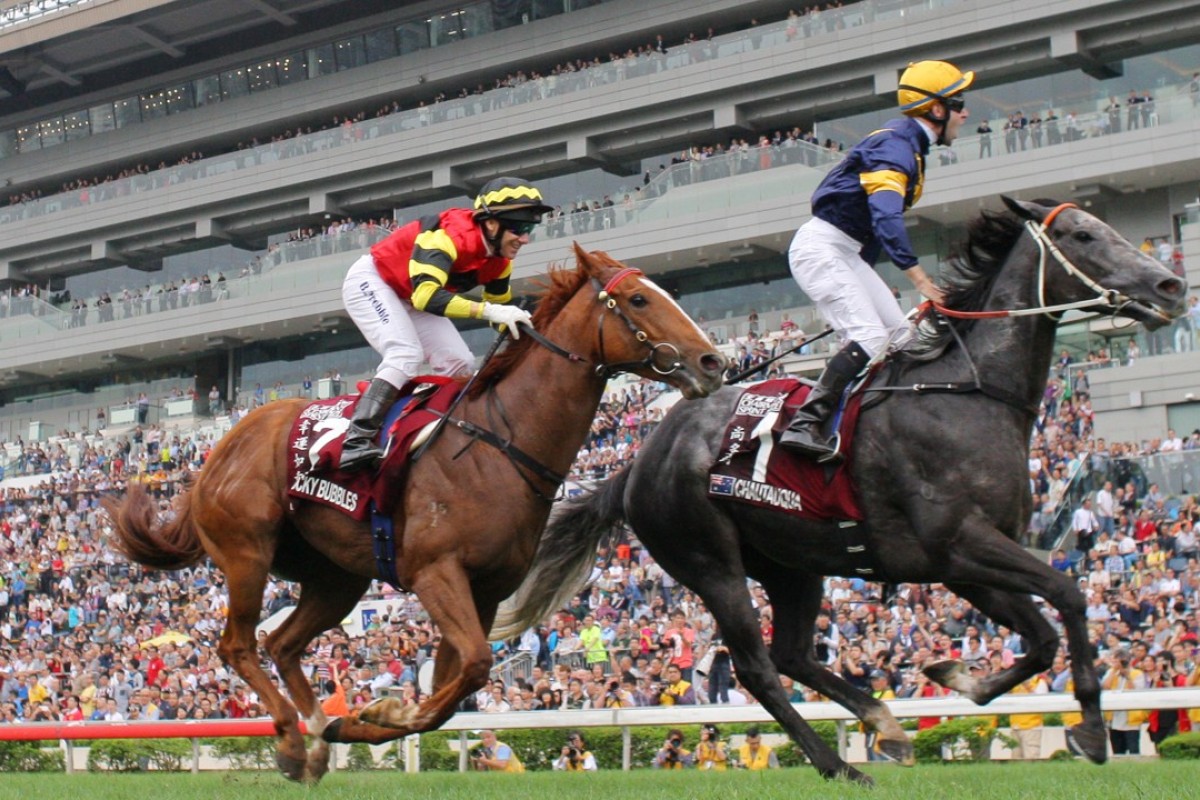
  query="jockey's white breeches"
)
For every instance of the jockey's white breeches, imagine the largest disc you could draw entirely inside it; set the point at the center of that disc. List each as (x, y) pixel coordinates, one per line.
(401, 334)
(848, 293)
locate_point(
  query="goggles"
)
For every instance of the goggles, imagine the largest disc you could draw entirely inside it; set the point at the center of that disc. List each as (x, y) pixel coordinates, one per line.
(956, 103)
(518, 228)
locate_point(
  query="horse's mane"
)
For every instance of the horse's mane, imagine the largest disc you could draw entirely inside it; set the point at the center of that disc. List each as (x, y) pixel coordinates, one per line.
(990, 239)
(559, 286)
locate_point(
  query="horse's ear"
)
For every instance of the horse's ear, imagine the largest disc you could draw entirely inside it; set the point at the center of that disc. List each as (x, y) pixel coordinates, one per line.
(583, 259)
(1031, 211)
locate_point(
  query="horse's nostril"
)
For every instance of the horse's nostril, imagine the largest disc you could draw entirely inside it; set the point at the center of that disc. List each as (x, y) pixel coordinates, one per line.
(713, 362)
(1172, 287)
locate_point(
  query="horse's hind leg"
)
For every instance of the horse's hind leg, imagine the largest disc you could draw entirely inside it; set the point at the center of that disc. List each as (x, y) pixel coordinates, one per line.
(796, 599)
(246, 579)
(323, 604)
(464, 661)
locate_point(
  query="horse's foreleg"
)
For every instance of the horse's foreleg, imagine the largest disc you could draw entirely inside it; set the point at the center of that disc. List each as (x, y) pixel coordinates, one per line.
(1019, 613)
(987, 557)
(446, 594)
(796, 600)
(322, 605)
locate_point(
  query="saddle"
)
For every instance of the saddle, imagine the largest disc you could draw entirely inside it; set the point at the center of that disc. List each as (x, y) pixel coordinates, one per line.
(752, 468)
(315, 447)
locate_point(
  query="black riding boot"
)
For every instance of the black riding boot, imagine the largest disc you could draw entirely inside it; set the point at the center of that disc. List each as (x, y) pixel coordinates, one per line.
(359, 449)
(806, 432)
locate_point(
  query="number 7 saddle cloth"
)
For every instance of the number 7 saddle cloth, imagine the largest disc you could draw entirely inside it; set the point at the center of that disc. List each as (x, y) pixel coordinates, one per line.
(315, 447)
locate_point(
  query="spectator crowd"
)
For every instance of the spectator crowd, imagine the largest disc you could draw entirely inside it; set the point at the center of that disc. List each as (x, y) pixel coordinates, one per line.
(83, 635)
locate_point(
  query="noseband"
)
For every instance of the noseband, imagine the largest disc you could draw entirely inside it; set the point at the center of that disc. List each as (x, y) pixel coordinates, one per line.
(604, 369)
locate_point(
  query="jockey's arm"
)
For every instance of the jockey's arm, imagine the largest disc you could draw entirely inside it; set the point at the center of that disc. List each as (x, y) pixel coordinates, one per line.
(499, 290)
(886, 191)
(433, 257)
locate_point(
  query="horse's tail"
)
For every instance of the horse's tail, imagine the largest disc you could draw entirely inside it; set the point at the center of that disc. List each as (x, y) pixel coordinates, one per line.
(564, 558)
(145, 538)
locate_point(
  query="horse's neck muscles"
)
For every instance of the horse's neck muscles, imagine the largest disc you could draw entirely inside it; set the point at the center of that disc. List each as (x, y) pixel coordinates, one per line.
(548, 401)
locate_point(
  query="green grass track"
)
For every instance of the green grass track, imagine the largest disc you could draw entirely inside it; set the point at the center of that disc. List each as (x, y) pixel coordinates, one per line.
(1123, 780)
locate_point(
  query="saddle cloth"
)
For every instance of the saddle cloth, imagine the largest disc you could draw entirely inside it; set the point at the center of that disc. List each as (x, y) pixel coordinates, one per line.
(315, 447)
(752, 467)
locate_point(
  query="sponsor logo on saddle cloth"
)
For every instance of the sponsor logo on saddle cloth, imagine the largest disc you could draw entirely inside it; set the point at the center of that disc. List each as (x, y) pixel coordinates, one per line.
(315, 447)
(753, 469)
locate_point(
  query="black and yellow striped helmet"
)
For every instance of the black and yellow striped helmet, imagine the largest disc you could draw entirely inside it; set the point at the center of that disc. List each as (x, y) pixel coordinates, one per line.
(512, 199)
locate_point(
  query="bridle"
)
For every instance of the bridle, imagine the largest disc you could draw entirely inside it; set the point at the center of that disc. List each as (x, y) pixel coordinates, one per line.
(603, 369)
(522, 461)
(1109, 298)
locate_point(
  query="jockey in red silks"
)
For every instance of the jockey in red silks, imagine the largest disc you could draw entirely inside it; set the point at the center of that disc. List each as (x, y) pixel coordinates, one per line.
(403, 294)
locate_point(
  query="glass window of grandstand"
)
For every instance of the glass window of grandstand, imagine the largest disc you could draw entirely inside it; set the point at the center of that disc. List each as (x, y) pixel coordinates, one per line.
(477, 19)
(179, 98)
(207, 90)
(28, 138)
(75, 126)
(446, 28)
(235, 83)
(350, 53)
(381, 44)
(154, 104)
(412, 36)
(508, 15)
(320, 61)
(290, 69)
(546, 8)
(8, 143)
(262, 76)
(128, 111)
(102, 118)
(52, 131)
(1165, 76)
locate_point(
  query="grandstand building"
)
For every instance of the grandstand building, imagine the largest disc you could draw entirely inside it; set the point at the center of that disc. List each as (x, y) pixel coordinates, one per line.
(163, 155)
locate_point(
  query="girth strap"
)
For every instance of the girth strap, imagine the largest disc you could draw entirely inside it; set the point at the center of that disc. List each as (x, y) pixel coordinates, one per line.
(383, 539)
(514, 454)
(983, 387)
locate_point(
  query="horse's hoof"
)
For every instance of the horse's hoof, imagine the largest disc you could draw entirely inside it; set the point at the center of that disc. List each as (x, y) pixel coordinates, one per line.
(849, 773)
(1090, 743)
(952, 674)
(333, 730)
(312, 775)
(318, 764)
(943, 670)
(292, 768)
(899, 751)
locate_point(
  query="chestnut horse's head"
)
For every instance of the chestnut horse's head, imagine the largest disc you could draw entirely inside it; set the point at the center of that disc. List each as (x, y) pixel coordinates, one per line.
(614, 319)
(640, 328)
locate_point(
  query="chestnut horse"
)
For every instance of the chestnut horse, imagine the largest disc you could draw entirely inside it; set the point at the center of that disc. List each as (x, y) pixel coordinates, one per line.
(470, 519)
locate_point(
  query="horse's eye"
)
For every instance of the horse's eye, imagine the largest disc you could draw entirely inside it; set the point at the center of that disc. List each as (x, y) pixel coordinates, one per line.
(1082, 236)
(638, 301)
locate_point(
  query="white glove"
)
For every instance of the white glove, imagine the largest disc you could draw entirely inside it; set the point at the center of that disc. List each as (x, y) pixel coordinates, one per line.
(508, 316)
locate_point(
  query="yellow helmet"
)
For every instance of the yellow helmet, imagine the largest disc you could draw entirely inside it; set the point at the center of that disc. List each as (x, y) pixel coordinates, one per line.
(927, 82)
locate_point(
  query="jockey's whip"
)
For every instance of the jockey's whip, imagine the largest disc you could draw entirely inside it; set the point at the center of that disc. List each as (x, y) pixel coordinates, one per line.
(748, 371)
(441, 423)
